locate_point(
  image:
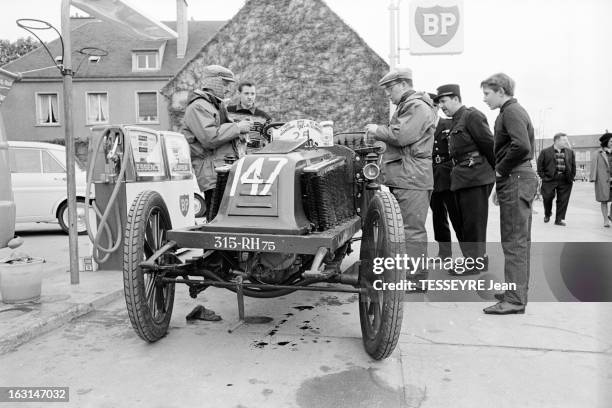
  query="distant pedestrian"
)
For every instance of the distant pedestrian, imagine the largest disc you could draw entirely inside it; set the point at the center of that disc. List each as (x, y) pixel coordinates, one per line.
(443, 203)
(516, 188)
(601, 174)
(557, 169)
(472, 177)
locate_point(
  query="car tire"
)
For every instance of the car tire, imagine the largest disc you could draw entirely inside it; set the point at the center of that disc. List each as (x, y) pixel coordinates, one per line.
(62, 216)
(149, 303)
(381, 311)
(199, 205)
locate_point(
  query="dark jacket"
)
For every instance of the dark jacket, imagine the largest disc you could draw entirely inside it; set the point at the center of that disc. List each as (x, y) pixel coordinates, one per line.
(238, 112)
(441, 162)
(409, 140)
(471, 137)
(514, 139)
(547, 164)
(210, 134)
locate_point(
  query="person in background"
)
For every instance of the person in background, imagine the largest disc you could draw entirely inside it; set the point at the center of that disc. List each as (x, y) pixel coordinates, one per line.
(443, 203)
(211, 134)
(557, 169)
(601, 174)
(516, 185)
(406, 167)
(246, 109)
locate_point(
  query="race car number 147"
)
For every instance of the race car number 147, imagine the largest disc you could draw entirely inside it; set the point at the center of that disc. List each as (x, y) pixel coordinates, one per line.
(244, 243)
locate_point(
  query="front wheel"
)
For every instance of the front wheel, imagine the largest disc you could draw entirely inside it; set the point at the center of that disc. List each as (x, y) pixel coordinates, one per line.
(149, 300)
(381, 309)
(199, 207)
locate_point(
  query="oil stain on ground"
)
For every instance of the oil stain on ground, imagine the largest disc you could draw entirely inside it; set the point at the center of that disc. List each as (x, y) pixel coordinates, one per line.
(356, 388)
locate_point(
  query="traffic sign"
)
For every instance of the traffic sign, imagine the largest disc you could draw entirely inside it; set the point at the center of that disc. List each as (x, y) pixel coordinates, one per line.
(436, 27)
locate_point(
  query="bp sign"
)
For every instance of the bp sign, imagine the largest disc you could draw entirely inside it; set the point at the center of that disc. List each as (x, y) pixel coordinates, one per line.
(436, 26)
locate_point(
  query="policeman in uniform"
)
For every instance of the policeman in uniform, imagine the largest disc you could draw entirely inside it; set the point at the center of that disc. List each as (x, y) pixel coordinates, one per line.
(443, 204)
(472, 176)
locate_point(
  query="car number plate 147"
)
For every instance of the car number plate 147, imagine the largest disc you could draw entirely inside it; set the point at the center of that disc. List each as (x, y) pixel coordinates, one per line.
(243, 243)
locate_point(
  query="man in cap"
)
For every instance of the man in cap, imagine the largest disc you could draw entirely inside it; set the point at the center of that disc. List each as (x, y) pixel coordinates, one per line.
(472, 176)
(407, 169)
(208, 129)
(443, 203)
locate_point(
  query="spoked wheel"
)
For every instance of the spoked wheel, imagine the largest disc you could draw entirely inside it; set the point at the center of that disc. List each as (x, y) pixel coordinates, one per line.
(381, 311)
(149, 300)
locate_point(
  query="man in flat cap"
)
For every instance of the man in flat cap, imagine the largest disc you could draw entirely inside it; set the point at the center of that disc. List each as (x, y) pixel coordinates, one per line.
(407, 169)
(443, 203)
(472, 176)
(208, 129)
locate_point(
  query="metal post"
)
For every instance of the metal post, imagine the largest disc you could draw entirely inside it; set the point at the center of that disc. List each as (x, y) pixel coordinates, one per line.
(73, 243)
(393, 7)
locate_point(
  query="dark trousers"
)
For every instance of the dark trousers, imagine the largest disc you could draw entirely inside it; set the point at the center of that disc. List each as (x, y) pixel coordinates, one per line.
(515, 194)
(563, 190)
(444, 206)
(473, 205)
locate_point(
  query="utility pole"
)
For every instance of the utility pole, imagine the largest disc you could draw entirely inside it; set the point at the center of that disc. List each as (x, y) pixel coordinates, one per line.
(67, 73)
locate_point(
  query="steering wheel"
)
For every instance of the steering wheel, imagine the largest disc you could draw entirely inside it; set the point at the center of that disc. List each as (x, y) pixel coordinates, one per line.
(266, 130)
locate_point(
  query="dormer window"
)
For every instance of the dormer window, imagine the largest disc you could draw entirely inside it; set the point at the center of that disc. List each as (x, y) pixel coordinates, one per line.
(145, 60)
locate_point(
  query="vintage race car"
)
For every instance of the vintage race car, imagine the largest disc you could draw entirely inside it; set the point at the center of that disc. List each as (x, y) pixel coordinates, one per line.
(282, 219)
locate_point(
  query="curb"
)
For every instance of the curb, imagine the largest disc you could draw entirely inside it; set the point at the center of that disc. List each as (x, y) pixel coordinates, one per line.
(10, 341)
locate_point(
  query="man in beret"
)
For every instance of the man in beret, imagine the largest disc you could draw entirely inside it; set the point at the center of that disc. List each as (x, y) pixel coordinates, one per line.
(407, 169)
(443, 203)
(516, 185)
(209, 131)
(472, 176)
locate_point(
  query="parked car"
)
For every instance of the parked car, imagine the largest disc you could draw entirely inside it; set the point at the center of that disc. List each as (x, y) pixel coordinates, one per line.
(7, 205)
(38, 173)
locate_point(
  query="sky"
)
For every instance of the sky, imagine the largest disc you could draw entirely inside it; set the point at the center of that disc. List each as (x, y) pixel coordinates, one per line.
(559, 52)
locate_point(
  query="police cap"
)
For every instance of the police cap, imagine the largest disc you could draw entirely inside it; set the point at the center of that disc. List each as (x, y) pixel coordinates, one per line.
(395, 75)
(447, 90)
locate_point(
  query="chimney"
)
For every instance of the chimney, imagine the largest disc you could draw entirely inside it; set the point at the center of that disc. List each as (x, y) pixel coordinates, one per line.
(181, 28)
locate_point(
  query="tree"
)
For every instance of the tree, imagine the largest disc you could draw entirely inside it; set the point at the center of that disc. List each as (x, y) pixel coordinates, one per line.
(10, 51)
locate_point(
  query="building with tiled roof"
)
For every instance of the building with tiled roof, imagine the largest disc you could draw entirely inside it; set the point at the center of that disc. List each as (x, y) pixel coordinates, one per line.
(122, 87)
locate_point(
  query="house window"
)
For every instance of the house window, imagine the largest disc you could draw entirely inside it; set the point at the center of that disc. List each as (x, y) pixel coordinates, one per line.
(146, 107)
(587, 156)
(143, 61)
(47, 112)
(97, 107)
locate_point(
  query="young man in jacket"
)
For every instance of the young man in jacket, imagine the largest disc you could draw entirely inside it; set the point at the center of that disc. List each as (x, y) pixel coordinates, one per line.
(209, 131)
(407, 169)
(557, 169)
(472, 176)
(516, 185)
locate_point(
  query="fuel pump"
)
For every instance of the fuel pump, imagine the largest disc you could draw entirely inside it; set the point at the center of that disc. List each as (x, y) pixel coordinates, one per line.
(123, 162)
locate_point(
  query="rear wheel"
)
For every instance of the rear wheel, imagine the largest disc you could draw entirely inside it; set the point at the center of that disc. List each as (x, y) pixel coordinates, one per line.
(64, 221)
(149, 301)
(381, 311)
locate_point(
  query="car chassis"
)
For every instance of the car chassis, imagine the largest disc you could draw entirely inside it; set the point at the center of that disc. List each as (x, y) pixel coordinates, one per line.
(333, 193)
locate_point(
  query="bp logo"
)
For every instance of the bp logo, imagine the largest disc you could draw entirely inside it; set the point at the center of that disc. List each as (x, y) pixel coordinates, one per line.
(437, 25)
(184, 204)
